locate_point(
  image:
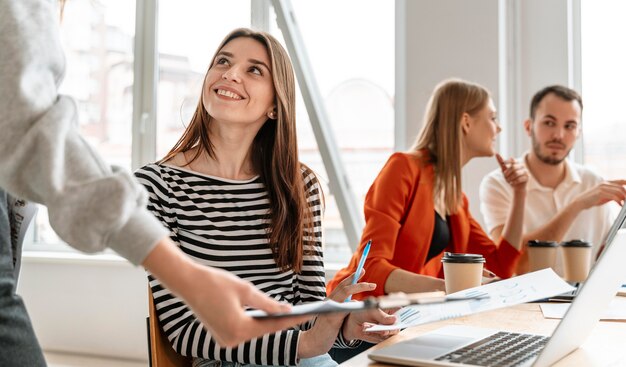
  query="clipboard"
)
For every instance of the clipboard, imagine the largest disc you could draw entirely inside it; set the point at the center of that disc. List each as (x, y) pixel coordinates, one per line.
(394, 300)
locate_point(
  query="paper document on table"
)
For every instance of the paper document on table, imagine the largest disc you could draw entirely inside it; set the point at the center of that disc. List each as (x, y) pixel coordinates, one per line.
(615, 312)
(383, 302)
(423, 314)
(521, 289)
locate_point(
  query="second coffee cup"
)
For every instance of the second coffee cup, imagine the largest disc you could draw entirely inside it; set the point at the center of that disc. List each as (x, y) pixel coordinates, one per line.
(576, 260)
(462, 271)
(542, 254)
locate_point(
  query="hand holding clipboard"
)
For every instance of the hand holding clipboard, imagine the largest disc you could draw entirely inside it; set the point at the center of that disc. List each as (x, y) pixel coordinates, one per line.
(383, 302)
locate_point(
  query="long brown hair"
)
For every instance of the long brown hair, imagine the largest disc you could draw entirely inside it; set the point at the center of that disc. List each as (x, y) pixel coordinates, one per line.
(441, 135)
(274, 153)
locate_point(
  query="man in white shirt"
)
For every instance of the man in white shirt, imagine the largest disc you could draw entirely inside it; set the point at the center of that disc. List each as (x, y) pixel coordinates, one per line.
(564, 200)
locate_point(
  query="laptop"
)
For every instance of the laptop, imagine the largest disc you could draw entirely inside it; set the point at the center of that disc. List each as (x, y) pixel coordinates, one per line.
(458, 345)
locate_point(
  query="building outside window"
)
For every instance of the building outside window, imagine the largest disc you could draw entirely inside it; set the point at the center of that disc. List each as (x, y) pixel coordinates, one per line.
(354, 65)
(352, 61)
(97, 37)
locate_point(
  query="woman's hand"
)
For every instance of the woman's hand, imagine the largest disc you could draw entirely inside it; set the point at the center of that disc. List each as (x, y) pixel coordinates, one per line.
(489, 277)
(514, 173)
(356, 323)
(346, 288)
(321, 336)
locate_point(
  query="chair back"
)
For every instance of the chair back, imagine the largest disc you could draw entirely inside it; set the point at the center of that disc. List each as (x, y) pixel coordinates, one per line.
(161, 352)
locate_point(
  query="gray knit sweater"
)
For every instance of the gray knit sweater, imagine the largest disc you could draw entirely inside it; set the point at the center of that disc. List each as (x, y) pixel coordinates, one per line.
(42, 156)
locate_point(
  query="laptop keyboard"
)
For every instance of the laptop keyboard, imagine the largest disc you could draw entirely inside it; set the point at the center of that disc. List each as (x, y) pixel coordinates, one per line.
(501, 349)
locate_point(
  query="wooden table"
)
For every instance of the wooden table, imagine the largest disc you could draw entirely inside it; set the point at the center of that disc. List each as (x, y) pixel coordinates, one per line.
(606, 346)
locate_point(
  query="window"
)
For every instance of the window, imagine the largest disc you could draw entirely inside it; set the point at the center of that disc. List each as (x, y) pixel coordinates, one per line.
(189, 33)
(97, 38)
(603, 78)
(354, 65)
(353, 62)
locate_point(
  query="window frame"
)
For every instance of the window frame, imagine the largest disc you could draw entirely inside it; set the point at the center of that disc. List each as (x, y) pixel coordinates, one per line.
(144, 114)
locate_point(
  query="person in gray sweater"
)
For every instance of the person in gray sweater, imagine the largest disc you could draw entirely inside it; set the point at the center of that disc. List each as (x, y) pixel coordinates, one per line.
(91, 205)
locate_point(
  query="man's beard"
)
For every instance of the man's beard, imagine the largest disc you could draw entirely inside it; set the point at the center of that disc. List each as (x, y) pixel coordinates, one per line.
(547, 159)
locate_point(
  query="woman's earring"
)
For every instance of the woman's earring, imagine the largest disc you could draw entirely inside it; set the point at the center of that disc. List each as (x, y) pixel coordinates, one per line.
(272, 115)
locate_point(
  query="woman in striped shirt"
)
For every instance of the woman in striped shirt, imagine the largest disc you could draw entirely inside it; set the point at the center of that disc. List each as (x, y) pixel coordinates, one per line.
(234, 196)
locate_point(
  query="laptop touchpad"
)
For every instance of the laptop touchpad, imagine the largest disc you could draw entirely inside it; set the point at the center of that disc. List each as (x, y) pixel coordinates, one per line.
(427, 346)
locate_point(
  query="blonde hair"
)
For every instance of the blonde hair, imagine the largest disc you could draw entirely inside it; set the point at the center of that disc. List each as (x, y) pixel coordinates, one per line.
(274, 153)
(441, 135)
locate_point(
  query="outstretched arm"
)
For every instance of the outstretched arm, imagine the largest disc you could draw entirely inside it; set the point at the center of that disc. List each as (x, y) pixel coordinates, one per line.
(216, 297)
(557, 227)
(600, 194)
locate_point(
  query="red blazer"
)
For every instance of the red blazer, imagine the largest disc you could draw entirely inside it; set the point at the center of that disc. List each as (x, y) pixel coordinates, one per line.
(400, 220)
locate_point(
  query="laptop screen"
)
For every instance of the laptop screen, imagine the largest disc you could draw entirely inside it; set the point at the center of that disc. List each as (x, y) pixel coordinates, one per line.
(617, 225)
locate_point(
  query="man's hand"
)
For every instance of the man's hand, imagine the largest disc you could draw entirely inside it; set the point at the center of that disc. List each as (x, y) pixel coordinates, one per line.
(602, 193)
(216, 297)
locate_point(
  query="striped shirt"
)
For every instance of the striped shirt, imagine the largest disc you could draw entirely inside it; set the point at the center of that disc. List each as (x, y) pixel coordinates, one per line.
(223, 223)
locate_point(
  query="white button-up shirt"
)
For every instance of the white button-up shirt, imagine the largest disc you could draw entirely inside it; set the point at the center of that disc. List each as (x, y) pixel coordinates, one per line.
(543, 203)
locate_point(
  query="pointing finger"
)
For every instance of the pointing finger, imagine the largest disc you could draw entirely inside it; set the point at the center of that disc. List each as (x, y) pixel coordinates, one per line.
(500, 162)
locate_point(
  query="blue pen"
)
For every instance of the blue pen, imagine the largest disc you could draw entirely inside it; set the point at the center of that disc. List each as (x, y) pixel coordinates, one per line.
(359, 267)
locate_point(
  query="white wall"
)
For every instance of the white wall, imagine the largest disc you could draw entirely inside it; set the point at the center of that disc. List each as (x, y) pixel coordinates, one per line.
(87, 305)
(458, 38)
(543, 54)
(449, 38)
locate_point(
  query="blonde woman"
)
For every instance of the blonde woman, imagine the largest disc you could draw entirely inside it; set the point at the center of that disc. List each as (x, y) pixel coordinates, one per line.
(235, 197)
(415, 209)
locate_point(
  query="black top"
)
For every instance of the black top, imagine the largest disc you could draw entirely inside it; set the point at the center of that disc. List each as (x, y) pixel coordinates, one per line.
(441, 237)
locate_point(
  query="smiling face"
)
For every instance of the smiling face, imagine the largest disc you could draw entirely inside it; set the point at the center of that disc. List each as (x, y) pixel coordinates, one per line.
(480, 131)
(555, 128)
(238, 88)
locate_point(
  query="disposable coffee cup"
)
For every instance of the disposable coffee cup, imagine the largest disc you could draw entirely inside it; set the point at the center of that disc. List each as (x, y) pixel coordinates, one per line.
(541, 254)
(462, 271)
(576, 260)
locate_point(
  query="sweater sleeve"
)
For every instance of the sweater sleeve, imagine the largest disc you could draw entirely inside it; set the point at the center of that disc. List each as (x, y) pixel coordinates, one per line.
(501, 258)
(44, 159)
(385, 207)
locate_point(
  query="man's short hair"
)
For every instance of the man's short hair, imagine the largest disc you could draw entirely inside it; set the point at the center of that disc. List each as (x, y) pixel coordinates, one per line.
(560, 91)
